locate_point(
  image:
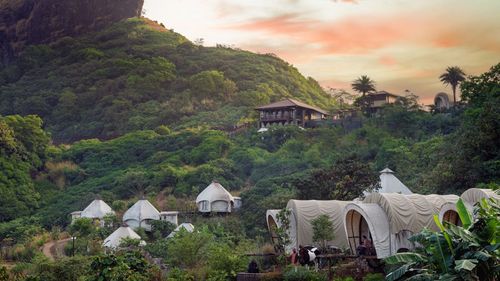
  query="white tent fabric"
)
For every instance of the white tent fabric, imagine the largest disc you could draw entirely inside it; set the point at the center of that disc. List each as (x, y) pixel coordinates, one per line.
(140, 214)
(97, 209)
(187, 226)
(389, 183)
(115, 239)
(474, 195)
(303, 212)
(214, 198)
(365, 219)
(273, 223)
(410, 212)
(404, 215)
(470, 197)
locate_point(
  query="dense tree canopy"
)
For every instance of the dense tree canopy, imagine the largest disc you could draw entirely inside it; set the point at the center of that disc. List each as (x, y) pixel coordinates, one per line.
(23, 148)
(138, 75)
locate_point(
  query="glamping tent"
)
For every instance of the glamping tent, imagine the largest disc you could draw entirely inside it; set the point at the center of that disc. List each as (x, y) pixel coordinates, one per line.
(389, 219)
(273, 224)
(470, 197)
(115, 239)
(389, 183)
(303, 212)
(187, 226)
(96, 210)
(215, 198)
(474, 195)
(141, 214)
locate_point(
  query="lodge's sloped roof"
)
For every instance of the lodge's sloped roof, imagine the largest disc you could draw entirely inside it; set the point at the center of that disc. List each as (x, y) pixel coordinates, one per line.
(290, 103)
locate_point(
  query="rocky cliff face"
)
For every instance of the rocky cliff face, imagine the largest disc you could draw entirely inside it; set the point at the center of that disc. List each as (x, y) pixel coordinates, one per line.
(25, 22)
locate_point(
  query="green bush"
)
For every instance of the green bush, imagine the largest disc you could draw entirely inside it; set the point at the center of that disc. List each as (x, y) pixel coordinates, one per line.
(301, 273)
(374, 277)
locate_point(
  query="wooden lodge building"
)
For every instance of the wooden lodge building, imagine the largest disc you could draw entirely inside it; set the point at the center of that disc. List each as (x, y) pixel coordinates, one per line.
(290, 112)
(377, 100)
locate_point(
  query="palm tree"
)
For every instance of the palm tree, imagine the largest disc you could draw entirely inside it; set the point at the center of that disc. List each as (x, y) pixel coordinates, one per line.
(363, 85)
(453, 76)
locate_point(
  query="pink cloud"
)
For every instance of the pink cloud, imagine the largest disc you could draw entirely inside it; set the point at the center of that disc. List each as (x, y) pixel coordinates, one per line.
(345, 36)
(363, 34)
(387, 60)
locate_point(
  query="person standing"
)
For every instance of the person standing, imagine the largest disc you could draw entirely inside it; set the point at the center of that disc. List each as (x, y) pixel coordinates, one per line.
(294, 257)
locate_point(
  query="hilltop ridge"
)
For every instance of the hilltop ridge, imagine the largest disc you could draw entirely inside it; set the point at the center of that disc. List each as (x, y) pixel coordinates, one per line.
(136, 74)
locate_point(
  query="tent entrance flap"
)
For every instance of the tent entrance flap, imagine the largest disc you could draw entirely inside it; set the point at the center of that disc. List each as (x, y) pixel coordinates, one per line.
(452, 217)
(371, 221)
(356, 230)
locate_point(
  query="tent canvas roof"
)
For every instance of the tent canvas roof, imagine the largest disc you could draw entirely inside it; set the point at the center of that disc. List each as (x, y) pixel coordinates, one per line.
(187, 226)
(291, 103)
(377, 222)
(97, 209)
(389, 183)
(214, 192)
(114, 240)
(305, 211)
(142, 210)
(474, 195)
(410, 212)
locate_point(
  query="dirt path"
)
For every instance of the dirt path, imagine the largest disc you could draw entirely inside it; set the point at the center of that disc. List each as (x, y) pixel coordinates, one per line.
(49, 248)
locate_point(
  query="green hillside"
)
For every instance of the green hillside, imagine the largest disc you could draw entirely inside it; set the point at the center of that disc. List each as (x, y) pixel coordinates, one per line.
(138, 75)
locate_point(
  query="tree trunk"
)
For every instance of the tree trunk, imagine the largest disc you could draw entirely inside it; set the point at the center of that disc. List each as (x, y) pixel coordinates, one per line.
(454, 88)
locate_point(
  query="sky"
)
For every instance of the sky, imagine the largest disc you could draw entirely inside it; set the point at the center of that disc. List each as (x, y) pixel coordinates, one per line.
(400, 44)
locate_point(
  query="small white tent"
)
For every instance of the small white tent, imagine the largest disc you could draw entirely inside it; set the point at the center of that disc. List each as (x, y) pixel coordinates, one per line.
(141, 214)
(115, 239)
(97, 209)
(215, 198)
(187, 226)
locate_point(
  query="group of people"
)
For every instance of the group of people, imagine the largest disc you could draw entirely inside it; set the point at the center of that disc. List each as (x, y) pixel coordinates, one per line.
(302, 257)
(305, 257)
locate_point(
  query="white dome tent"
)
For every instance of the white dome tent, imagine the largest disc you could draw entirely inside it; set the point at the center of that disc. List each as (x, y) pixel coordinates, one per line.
(215, 198)
(140, 215)
(96, 210)
(186, 226)
(116, 238)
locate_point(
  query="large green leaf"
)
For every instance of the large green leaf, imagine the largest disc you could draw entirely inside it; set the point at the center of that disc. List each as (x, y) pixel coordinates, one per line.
(441, 258)
(468, 265)
(464, 214)
(399, 272)
(448, 277)
(463, 234)
(421, 277)
(445, 234)
(405, 258)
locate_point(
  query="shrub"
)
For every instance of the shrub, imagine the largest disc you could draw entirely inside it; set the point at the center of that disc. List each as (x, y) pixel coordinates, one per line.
(302, 273)
(374, 277)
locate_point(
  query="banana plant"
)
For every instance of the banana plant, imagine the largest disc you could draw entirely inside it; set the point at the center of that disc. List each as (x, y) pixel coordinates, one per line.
(467, 252)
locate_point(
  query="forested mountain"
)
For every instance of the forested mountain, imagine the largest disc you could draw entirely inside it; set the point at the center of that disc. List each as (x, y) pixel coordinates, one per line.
(137, 75)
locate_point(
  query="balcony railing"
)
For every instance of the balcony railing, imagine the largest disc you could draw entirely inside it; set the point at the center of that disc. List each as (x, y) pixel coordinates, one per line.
(276, 118)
